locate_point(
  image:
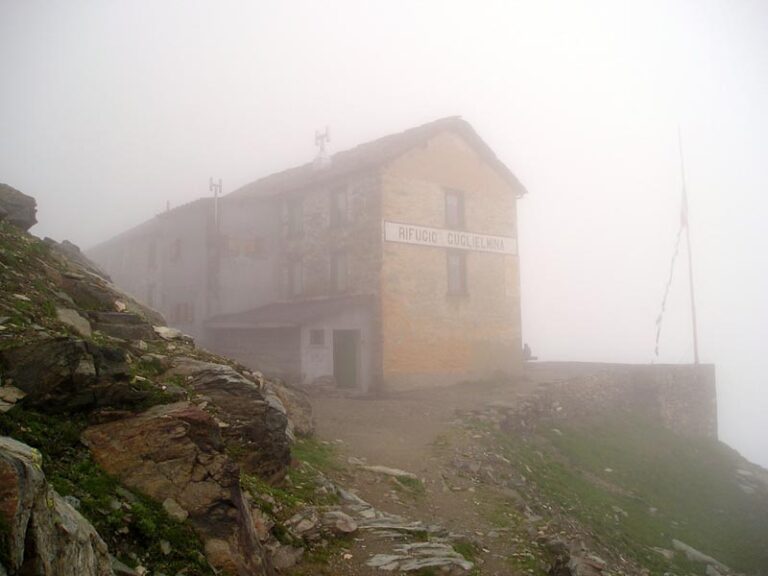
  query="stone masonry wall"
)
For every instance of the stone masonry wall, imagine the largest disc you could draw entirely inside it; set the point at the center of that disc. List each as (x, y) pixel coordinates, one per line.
(682, 396)
(359, 237)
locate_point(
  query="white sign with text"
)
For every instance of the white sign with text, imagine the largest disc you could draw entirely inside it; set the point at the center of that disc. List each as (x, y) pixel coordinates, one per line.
(443, 238)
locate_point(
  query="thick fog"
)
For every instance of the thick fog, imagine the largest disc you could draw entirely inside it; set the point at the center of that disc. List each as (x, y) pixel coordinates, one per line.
(110, 110)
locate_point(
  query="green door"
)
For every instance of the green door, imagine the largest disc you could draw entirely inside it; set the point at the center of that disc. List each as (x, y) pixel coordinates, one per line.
(345, 344)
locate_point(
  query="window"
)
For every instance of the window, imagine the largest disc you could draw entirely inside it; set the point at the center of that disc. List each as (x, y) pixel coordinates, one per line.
(339, 207)
(339, 272)
(292, 217)
(152, 255)
(176, 250)
(293, 279)
(317, 337)
(454, 209)
(457, 273)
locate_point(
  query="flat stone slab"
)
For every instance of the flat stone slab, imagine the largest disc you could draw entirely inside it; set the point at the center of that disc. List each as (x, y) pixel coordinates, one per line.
(73, 319)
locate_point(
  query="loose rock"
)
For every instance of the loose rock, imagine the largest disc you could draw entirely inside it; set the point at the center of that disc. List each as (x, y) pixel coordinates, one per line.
(45, 535)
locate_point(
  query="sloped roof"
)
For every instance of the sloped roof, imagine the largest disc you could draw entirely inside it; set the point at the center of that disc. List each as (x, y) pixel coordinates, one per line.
(143, 228)
(373, 154)
(285, 314)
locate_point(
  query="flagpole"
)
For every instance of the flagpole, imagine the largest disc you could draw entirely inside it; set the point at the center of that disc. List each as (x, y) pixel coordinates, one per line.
(684, 222)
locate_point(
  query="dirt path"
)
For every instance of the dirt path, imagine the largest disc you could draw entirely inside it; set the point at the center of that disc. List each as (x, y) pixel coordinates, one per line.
(420, 432)
(400, 429)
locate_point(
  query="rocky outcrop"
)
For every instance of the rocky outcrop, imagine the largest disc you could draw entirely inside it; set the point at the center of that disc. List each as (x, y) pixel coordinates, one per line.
(67, 374)
(297, 406)
(697, 556)
(573, 558)
(174, 454)
(73, 253)
(41, 533)
(123, 325)
(72, 345)
(17, 208)
(251, 414)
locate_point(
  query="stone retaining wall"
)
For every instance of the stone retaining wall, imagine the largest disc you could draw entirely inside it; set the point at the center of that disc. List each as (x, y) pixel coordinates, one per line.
(682, 396)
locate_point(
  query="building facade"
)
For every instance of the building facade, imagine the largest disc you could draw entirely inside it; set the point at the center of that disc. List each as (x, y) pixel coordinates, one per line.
(392, 265)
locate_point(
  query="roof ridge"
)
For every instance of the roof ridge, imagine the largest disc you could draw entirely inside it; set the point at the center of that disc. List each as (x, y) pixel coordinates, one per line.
(369, 154)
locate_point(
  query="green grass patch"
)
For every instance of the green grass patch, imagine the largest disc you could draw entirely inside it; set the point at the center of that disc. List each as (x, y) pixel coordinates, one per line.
(526, 562)
(319, 559)
(412, 486)
(638, 485)
(131, 524)
(466, 549)
(316, 453)
(272, 499)
(299, 489)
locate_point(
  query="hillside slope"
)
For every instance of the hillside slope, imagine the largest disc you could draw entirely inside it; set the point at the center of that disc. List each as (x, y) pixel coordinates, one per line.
(559, 490)
(125, 449)
(143, 454)
(141, 432)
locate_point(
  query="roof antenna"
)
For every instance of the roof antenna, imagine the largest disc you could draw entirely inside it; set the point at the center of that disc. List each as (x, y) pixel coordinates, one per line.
(215, 187)
(322, 160)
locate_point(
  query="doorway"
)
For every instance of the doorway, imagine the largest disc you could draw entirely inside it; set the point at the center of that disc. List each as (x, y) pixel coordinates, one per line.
(345, 357)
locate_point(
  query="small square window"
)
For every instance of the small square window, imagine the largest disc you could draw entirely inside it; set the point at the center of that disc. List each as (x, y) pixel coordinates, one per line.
(317, 337)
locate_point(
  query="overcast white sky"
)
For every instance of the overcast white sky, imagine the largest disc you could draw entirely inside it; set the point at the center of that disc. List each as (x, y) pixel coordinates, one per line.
(110, 109)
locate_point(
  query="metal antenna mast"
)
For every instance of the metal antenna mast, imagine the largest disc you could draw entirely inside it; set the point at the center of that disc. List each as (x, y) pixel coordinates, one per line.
(215, 187)
(684, 223)
(321, 139)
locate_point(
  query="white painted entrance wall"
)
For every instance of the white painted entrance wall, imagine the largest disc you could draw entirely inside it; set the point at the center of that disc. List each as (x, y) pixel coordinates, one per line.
(317, 361)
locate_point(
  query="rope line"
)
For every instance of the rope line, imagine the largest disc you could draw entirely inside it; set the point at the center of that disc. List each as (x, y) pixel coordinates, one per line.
(660, 317)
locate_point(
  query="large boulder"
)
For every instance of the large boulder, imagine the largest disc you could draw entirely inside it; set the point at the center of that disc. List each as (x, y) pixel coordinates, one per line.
(253, 416)
(123, 325)
(297, 406)
(43, 534)
(67, 374)
(72, 252)
(17, 208)
(174, 454)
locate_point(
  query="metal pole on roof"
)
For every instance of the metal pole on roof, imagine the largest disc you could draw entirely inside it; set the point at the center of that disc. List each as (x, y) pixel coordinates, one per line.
(684, 223)
(683, 227)
(215, 187)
